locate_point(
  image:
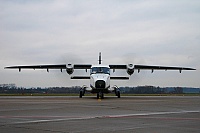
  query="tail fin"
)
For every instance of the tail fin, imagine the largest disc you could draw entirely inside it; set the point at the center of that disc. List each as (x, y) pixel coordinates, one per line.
(100, 58)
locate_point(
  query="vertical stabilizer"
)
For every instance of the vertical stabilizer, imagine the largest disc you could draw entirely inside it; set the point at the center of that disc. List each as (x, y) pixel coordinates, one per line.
(100, 58)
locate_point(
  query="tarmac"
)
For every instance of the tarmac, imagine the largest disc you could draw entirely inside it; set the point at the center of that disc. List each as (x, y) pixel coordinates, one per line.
(70, 114)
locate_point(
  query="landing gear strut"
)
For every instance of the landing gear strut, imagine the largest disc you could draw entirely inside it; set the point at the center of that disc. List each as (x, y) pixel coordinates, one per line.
(118, 94)
(117, 91)
(100, 95)
(82, 92)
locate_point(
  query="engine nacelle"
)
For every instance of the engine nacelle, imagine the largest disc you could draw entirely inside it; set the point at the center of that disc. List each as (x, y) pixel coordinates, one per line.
(130, 69)
(69, 68)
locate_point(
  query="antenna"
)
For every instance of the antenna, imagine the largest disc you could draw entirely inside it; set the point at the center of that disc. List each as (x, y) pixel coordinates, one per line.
(100, 58)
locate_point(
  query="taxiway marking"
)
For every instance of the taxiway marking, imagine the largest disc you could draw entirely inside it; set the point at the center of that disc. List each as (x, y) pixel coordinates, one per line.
(67, 118)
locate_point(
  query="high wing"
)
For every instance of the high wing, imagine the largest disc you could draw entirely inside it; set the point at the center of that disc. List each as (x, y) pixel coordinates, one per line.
(161, 67)
(37, 67)
(147, 67)
(61, 66)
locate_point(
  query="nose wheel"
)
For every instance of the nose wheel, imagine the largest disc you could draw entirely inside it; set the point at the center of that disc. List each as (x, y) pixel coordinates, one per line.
(81, 94)
(100, 95)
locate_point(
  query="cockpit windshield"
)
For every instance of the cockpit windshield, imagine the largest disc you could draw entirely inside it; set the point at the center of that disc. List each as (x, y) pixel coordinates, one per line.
(104, 70)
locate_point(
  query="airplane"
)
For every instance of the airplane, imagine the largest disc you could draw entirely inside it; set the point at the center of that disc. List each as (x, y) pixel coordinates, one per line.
(100, 74)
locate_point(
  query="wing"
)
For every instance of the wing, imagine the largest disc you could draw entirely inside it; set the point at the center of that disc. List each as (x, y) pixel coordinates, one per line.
(37, 67)
(61, 66)
(147, 67)
(161, 68)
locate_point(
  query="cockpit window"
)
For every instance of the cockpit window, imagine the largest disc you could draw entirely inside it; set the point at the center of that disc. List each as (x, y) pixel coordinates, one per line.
(104, 70)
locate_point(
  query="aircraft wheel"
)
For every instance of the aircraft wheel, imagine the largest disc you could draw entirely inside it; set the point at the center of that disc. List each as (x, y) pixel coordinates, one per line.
(81, 94)
(97, 95)
(118, 94)
(84, 93)
(102, 96)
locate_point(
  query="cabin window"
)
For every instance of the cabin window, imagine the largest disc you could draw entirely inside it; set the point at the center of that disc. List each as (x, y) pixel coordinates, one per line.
(104, 70)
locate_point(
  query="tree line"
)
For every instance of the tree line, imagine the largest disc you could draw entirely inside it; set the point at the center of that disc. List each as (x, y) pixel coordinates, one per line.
(13, 89)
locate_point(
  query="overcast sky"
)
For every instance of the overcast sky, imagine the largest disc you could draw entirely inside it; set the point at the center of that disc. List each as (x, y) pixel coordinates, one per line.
(150, 32)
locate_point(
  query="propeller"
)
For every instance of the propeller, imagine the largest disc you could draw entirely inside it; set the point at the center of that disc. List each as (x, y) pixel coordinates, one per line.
(64, 78)
(133, 58)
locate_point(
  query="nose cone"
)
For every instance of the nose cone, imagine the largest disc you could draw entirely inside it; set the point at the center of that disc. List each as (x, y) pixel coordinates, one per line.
(100, 81)
(100, 84)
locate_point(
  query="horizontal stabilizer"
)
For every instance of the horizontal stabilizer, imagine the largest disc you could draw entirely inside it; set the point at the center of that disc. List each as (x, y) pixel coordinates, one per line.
(119, 78)
(82, 66)
(80, 77)
(117, 66)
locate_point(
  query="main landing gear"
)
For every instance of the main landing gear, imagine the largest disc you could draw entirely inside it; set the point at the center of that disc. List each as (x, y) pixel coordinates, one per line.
(100, 95)
(117, 91)
(82, 92)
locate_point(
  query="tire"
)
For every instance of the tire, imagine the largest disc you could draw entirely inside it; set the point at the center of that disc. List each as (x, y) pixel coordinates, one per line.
(118, 94)
(81, 94)
(97, 95)
(102, 96)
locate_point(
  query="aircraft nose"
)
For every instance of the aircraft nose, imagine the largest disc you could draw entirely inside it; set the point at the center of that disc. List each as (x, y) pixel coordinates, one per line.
(100, 84)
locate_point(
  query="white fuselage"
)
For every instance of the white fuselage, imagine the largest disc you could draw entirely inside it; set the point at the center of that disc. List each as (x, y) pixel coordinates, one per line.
(99, 79)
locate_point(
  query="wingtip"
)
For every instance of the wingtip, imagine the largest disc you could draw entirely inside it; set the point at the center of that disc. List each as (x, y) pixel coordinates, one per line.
(192, 69)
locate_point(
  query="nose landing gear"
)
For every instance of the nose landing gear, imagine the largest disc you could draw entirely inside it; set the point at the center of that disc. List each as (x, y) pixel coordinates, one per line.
(100, 95)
